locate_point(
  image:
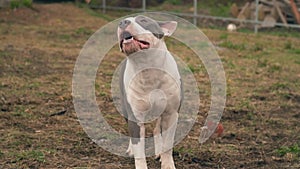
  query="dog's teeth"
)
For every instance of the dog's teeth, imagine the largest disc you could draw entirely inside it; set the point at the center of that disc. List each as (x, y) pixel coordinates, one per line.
(127, 40)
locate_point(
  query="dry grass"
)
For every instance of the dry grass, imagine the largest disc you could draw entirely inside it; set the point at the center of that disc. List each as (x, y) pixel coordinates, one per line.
(37, 55)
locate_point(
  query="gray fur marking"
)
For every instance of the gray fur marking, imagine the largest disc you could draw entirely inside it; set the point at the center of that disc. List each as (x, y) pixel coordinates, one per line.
(150, 25)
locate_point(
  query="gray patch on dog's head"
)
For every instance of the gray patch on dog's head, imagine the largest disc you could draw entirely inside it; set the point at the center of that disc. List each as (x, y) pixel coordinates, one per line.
(150, 25)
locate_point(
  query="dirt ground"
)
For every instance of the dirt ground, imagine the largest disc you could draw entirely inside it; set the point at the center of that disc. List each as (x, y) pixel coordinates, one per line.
(39, 127)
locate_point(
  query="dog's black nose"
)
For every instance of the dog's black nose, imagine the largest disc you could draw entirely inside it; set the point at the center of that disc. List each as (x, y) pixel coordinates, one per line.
(124, 23)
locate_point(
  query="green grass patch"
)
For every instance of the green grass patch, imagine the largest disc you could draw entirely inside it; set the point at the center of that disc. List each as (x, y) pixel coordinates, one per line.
(279, 86)
(286, 95)
(295, 51)
(174, 2)
(262, 63)
(1, 154)
(245, 105)
(223, 36)
(294, 149)
(190, 68)
(20, 111)
(35, 155)
(228, 63)
(275, 68)
(65, 37)
(183, 150)
(97, 13)
(215, 7)
(97, 86)
(16, 139)
(288, 45)
(258, 47)
(20, 3)
(231, 65)
(220, 10)
(103, 94)
(83, 31)
(283, 32)
(250, 115)
(3, 54)
(33, 85)
(230, 45)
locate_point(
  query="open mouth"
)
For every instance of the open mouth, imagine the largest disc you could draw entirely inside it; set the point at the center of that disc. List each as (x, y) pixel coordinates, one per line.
(130, 43)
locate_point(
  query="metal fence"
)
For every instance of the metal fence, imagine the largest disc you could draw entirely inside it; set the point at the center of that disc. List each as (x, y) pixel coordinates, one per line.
(256, 23)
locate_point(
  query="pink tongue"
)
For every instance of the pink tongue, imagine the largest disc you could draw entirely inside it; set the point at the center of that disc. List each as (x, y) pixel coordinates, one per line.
(143, 46)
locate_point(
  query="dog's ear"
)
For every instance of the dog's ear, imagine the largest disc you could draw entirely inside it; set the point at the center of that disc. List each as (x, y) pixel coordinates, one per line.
(168, 27)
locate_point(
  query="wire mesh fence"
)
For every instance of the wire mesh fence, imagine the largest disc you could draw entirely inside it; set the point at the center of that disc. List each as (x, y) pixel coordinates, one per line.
(193, 14)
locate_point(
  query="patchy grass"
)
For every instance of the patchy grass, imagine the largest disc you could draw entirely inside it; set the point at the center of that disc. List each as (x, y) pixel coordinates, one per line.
(231, 45)
(223, 36)
(83, 31)
(37, 57)
(284, 150)
(295, 51)
(20, 3)
(34, 155)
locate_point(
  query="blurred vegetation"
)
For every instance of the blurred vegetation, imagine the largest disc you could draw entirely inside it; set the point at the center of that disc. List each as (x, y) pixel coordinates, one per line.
(20, 3)
(212, 7)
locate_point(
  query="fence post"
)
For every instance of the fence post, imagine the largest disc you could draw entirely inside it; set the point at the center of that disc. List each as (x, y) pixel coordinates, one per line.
(144, 6)
(195, 13)
(256, 16)
(104, 6)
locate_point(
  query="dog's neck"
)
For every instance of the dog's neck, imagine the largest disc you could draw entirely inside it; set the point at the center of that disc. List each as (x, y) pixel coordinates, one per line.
(160, 45)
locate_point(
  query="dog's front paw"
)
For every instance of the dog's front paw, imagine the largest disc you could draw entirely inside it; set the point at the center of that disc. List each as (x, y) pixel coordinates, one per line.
(167, 161)
(140, 163)
(168, 166)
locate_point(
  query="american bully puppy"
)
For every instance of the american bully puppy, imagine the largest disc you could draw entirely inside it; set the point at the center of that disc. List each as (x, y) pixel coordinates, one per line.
(150, 87)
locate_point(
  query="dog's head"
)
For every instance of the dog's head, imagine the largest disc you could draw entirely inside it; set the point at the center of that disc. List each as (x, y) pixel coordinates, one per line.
(141, 32)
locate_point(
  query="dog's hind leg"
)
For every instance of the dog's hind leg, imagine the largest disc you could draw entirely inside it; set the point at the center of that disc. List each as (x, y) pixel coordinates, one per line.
(169, 124)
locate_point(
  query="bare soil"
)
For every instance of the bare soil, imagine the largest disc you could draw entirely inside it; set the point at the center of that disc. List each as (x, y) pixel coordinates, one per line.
(39, 127)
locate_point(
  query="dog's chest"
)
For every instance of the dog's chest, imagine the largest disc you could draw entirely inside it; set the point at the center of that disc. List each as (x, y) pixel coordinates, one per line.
(151, 75)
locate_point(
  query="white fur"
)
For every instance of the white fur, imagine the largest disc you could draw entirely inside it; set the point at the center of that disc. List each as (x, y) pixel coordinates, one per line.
(139, 150)
(158, 142)
(141, 101)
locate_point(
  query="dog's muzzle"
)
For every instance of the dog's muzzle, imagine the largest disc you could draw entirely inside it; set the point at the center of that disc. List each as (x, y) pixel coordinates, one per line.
(129, 44)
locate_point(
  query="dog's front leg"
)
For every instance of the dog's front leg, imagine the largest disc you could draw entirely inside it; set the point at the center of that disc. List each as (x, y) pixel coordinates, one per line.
(137, 146)
(157, 138)
(169, 124)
